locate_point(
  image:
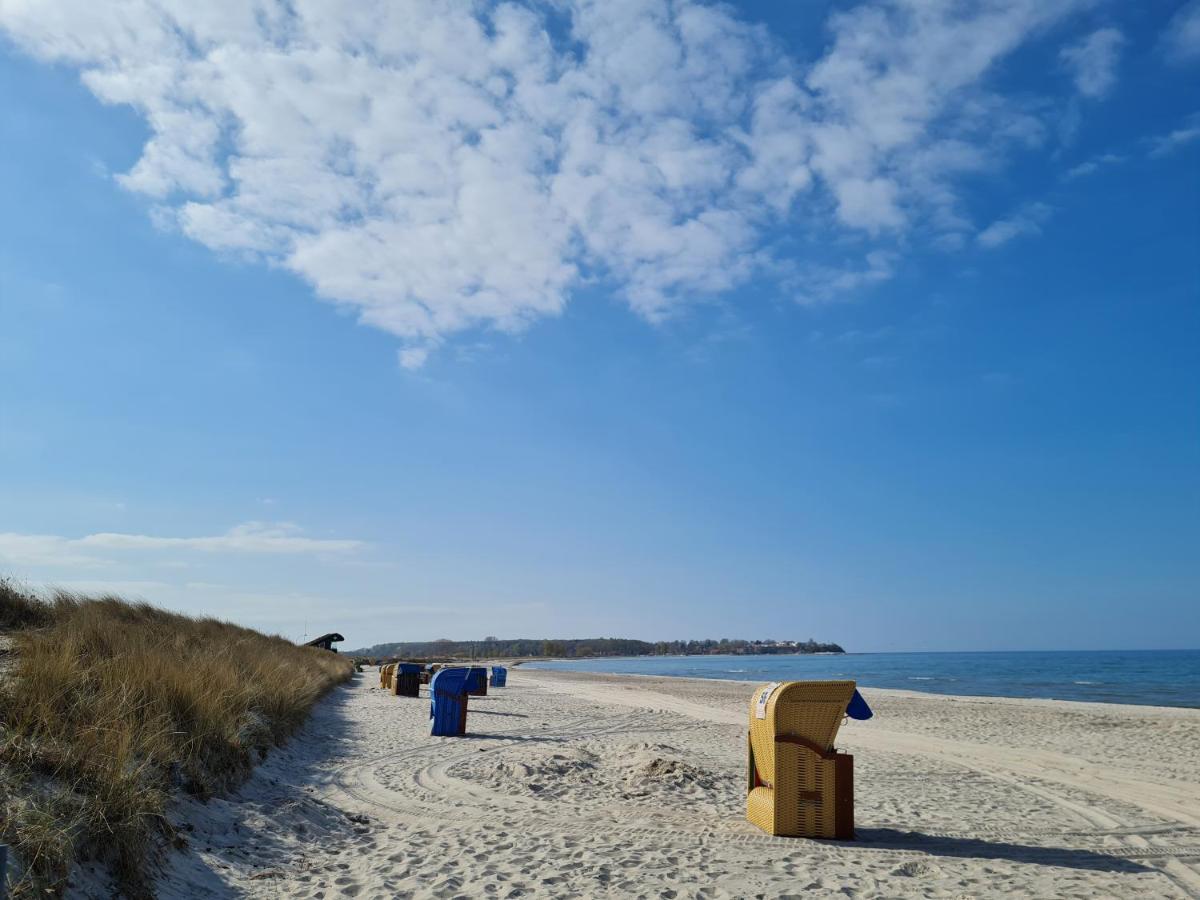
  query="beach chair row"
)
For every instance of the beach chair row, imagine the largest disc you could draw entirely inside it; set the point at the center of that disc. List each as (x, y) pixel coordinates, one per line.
(449, 688)
(405, 679)
(797, 783)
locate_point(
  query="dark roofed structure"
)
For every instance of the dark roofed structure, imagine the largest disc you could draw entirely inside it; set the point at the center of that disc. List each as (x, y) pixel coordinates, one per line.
(326, 641)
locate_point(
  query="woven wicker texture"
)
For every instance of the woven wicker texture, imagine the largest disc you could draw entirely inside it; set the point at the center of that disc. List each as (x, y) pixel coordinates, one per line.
(791, 786)
(386, 674)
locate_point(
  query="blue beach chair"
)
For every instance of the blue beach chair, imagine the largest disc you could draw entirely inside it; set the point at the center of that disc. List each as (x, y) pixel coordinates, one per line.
(477, 680)
(406, 681)
(448, 702)
(499, 676)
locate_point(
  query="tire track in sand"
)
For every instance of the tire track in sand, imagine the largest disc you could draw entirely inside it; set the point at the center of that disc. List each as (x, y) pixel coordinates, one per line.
(1177, 804)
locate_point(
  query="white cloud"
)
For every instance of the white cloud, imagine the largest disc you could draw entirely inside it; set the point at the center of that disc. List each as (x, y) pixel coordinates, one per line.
(1093, 61)
(250, 537)
(1093, 165)
(1181, 39)
(1027, 221)
(1166, 144)
(413, 357)
(821, 284)
(44, 550)
(97, 549)
(439, 166)
(122, 588)
(900, 106)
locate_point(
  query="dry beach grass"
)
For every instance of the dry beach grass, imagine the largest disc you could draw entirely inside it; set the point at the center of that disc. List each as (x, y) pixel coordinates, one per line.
(108, 707)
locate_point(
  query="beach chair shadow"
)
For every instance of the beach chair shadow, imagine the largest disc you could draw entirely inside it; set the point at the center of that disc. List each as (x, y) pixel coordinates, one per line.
(981, 848)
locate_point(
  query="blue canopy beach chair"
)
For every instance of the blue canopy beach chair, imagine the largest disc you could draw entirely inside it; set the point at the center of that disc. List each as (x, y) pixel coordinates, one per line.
(406, 681)
(499, 676)
(477, 681)
(448, 702)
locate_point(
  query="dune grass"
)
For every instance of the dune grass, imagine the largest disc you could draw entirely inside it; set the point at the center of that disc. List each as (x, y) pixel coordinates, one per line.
(108, 707)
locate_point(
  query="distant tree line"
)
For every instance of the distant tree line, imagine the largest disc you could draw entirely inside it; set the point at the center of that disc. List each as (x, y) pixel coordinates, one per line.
(582, 648)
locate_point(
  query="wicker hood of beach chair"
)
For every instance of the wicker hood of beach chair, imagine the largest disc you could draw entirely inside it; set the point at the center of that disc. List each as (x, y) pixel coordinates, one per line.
(386, 673)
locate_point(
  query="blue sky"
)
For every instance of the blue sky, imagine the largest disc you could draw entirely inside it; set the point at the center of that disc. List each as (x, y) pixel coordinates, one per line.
(872, 322)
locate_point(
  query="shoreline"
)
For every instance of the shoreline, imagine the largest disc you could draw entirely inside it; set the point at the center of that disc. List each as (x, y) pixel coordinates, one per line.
(1095, 705)
(586, 785)
(1160, 679)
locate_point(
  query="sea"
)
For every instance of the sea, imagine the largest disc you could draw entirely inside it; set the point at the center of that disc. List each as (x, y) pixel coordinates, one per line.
(1145, 677)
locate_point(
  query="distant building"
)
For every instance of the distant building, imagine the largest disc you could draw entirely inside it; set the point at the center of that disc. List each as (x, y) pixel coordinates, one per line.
(326, 641)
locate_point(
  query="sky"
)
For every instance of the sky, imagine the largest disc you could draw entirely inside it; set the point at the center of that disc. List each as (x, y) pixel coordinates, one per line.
(871, 322)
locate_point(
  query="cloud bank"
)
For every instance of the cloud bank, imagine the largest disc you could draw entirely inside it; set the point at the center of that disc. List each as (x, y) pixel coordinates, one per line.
(441, 166)
(97, 549)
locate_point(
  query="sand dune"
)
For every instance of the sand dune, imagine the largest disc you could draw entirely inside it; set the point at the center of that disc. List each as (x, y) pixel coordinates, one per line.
(591, 785)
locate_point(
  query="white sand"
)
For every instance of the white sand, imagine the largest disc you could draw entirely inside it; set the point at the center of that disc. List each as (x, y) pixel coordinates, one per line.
(624, 786)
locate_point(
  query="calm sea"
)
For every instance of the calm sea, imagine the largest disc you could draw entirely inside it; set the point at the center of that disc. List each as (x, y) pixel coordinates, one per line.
(1154, 677)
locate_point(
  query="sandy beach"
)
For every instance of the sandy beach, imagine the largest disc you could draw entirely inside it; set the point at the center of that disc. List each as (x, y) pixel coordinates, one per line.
(626, 786)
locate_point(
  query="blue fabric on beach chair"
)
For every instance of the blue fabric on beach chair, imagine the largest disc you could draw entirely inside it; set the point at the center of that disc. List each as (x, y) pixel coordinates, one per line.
(448, 702)
(406, 680)
(477, 681)
(857, 707)
(499, 676)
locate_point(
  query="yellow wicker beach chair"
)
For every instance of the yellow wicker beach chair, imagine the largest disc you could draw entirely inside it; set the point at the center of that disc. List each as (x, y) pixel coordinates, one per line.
(798, 785)
(387, 675)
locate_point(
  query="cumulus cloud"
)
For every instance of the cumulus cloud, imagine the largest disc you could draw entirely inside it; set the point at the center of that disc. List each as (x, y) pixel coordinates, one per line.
(1093, 61)
(1181, 39)
(440, 166)
(96, 549)
(1027, 221)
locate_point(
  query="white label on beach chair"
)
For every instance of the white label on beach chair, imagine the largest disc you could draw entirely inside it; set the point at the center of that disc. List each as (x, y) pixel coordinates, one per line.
(760, 711)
